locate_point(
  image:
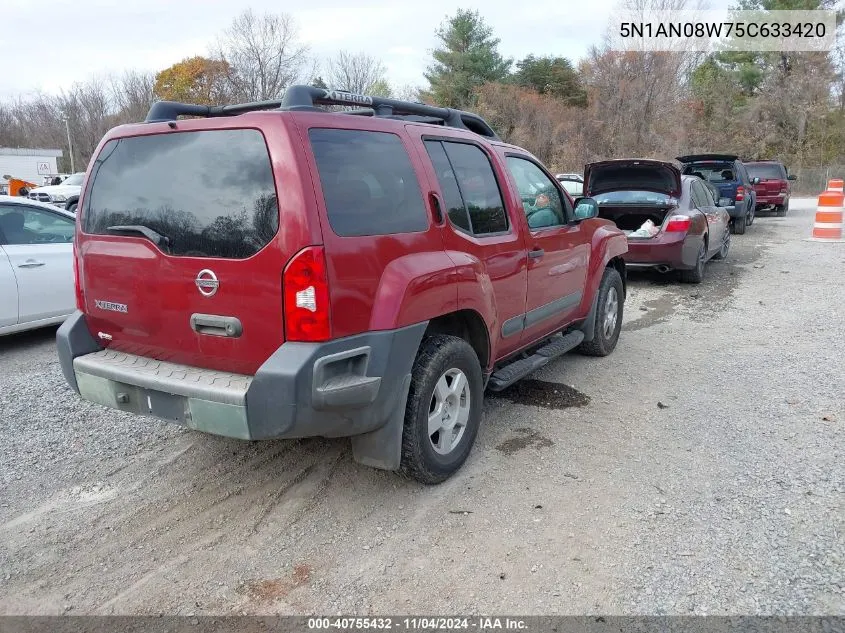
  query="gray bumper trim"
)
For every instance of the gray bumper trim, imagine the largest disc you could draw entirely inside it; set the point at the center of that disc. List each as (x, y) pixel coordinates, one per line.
(156, 375)
(346, 387)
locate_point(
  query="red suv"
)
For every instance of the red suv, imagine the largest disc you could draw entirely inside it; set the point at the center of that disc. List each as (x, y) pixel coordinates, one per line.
(276, 270)
(773, 188)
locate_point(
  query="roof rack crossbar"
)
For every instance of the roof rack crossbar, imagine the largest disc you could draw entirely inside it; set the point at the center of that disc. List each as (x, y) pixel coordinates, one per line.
(308, 98)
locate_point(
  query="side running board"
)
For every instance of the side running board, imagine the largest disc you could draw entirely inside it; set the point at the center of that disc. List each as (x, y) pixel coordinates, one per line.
(511, 373)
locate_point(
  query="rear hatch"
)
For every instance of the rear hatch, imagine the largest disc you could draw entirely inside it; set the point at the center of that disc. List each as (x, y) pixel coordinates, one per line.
(772, 179)
(717, 169)
(180, 249)
(637, 195)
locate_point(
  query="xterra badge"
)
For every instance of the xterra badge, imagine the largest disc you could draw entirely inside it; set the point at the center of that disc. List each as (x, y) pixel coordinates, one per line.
(113, 307)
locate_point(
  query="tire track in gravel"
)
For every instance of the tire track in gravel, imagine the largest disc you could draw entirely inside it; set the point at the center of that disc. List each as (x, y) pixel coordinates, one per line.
(211, 508)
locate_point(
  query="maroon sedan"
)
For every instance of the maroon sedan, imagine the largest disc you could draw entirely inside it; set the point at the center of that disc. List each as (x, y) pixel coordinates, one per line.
(672, 221)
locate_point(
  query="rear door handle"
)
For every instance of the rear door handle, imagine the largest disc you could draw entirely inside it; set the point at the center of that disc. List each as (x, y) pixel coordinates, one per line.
(30, 263)
(215, 325)
(537, 252)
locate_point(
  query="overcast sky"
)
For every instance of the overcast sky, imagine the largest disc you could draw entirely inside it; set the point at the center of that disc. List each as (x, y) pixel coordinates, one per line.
(49, 45)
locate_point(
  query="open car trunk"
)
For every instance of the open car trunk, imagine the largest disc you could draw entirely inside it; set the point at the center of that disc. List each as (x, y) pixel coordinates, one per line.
(630, 218)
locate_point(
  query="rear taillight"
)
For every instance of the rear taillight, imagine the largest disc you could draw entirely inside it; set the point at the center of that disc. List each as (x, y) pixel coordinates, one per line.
(306, 297)
(77, 283)
(740, 194)
(678, 224)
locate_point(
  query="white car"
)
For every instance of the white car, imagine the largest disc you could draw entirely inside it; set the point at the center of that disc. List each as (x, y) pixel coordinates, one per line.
(36, 264)
(59, 195)
(573, 183)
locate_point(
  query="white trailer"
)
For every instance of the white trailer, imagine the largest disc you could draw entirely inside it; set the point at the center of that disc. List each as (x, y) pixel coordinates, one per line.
(32, 165)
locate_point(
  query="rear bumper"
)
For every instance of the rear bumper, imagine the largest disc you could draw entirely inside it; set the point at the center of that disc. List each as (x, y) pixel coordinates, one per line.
(676, 251)
(340, 388)
(737, 210)
(771, 200)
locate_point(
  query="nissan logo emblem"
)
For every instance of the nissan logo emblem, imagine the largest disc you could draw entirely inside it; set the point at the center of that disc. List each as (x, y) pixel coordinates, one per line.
(207, 283)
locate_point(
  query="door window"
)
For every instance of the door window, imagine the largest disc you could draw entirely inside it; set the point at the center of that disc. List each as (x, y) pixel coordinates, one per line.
(470, 169)
(28, 225)
(541, 199)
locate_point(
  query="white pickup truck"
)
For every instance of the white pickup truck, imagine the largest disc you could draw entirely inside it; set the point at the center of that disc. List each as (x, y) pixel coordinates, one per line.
(64, 195)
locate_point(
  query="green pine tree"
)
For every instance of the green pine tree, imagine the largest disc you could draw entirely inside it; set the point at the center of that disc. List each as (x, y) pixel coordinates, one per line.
(467, 58)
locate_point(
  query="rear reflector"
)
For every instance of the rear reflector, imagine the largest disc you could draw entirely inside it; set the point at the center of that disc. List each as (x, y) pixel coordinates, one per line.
(678, 224)
(77, 283)
(306, 297)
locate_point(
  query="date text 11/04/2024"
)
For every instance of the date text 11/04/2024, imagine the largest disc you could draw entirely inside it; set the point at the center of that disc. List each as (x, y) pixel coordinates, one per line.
(418, 624)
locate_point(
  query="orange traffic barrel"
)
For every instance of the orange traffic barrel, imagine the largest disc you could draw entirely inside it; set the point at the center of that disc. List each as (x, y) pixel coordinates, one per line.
(828, 224)
(836, 184)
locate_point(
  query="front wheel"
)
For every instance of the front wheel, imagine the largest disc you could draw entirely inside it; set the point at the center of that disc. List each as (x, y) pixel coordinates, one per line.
(751, 215)
(71, 207)
(609, 310)
(443, 411)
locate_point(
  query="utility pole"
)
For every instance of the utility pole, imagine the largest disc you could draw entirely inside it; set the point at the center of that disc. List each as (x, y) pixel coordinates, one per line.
(69, 144)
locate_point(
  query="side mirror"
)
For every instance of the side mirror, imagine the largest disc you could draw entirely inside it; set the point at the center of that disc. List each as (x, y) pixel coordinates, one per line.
(755, 180)
(792, 177)
(586, 208)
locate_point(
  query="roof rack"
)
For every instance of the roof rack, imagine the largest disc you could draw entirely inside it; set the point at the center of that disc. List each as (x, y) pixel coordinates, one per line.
(308, 98)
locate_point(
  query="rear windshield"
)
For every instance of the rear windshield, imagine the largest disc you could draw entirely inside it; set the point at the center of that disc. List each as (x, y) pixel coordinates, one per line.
(633, 197)
(211, 193)
(765, 171)
(713, 172)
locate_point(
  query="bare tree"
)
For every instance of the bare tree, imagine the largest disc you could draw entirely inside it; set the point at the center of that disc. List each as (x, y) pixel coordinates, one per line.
(356, 72)
(132, 94)
(263, 54)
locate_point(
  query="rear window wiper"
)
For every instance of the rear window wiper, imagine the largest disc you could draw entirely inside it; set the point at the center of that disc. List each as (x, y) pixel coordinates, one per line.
(162, 241)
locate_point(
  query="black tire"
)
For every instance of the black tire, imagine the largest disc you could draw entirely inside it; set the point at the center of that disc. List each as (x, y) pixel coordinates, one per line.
(695, 275)
(781, 209)
(738, 226)
(71, 207)
(604, 342)
(726, 246)
(751, 215)
(438, 355)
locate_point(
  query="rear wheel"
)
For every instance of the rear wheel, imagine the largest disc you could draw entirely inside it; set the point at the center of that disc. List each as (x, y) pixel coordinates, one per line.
(726, 246)
(443, 411)
(781, 209)
(738, 225)
(610, 307)
(695, 275)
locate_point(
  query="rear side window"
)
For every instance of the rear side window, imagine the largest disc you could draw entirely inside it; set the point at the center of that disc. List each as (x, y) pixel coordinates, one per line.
(470, 176)
(700, 197)
(211, 193)
(368, 183)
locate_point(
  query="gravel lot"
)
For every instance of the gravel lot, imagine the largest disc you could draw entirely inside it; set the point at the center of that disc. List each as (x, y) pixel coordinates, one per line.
(699, 469)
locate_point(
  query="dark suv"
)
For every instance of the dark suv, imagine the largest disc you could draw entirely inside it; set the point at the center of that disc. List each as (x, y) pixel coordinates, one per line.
(772, 188)
(730, 176)
(275, 270)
